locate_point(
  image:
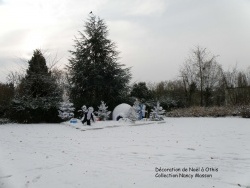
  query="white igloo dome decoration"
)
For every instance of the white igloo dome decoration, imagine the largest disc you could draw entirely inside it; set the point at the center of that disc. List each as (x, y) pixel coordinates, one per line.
(121, 111)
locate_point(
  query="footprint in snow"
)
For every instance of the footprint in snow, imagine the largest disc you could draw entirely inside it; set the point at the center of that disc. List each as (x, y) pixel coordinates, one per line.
(8, 176)
(36, 179)
(191, 149)
(27, 184)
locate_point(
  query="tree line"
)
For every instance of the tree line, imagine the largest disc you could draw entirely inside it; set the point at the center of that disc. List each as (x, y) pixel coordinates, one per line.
(201, 82)
(95, 74)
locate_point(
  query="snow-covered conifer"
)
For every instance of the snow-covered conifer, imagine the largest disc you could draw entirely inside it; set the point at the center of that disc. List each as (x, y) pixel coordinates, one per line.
(94, 70)
(132, 114)
(136, 107)
(37, 99)
(66, 110)
(103, 113)
(157, 113)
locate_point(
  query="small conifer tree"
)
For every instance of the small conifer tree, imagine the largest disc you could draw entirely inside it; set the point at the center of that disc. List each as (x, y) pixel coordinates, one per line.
(66, 110)
(157, 113)
(132, 115)
(103, 113)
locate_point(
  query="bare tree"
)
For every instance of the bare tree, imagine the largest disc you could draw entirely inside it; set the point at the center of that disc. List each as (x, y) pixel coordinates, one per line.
(237, 78)
(242, 79)
(61, 79)
(201, 70)
(230, 77)
(248, 76)
(15, 78)
(189, 81)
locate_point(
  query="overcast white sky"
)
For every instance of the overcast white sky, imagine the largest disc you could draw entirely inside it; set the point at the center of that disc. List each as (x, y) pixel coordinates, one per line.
(154, 36)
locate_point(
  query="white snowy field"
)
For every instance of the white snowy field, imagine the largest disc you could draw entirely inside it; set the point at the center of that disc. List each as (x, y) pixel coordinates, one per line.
(58, 155)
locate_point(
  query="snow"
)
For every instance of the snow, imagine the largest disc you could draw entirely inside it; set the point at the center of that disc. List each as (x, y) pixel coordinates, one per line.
(120, 154)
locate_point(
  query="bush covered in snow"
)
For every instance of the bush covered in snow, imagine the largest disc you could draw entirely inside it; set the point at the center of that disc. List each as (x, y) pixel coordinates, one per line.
(66, 110)
(4, 121)
(245, 111)
(205, 112)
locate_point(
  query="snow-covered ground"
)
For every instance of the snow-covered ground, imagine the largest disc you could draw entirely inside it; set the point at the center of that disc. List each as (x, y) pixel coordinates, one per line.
(112, 154)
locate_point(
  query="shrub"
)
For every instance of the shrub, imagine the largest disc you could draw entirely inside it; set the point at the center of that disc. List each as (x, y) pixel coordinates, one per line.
(245, 111)
(204, 112)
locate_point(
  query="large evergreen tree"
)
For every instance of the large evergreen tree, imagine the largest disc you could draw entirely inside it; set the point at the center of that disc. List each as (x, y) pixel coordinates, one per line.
(37, 97)
(141, 91)
(94, 71)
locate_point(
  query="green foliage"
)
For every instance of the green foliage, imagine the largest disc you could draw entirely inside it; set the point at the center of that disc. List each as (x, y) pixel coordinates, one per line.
(94, 72)
(245, 111)
(6, 95)
(37, 97)
(28, 110)
(170, 94)
(238, 96)
(141, 91)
